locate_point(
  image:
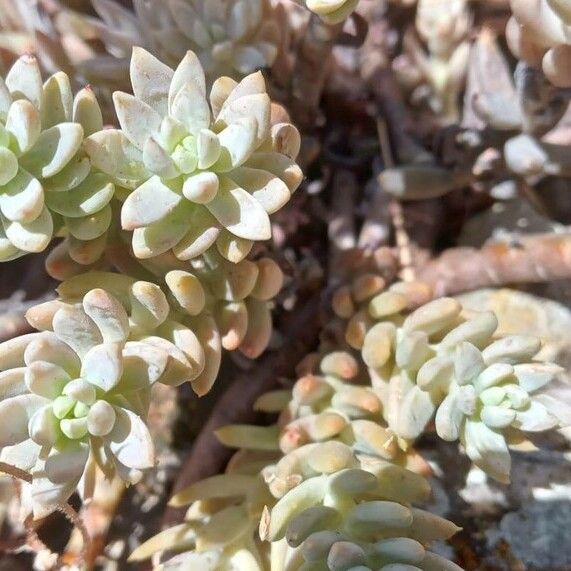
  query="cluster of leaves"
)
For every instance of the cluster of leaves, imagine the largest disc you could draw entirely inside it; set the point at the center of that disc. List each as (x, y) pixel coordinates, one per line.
(504, 142)
(332, 483)
(179, 194)
(326, 488)
(439, 362)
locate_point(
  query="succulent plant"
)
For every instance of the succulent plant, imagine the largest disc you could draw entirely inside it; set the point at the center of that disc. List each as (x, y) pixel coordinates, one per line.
(77, 398)
(230, 38)
(347, 520)
(443, 26)
(201, 173)
(48, 184)
(440, 361)
(330, 497)
(332, 11)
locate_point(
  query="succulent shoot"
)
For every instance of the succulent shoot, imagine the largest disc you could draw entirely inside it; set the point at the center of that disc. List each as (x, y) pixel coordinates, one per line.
(230, 38)
(202, 173)
(320, 489)
(47, 184)
(77, 398)
(441, 362)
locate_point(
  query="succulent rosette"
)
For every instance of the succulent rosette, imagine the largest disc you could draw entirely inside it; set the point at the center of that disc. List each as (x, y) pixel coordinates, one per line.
(202, 173)
(438, 359)
(233, 38)
(77, 398)
(48, 185)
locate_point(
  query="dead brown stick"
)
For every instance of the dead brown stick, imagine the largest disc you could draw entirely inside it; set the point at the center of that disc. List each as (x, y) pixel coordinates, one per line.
(534, 258)
(209, 456)
(312, 64)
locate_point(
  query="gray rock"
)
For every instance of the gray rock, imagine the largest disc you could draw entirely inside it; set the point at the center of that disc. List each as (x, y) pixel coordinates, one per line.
(538, 535)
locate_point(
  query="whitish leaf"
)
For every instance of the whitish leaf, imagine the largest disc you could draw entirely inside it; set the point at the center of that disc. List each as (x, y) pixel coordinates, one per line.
(91, 227)
(138, 120)
(19, 410)
(46, 379)
(111, 152)
(202, 232)
(8, 166)
(12, 383)
(86, 112)
(249, 436)
(177, 538)
(22, 199)
(24, 80)
(224, 528)
(191, 108)
(427, 527)
(73, 326)
(71, 176)
(47, 347)
(239, 212)
(53, 150)
(158, 161)
(108, 314)
(149, 203)
(279, 165)
(269, 190)
(189, 70)
(220, 486)
(449, 418)
(57, 100)
(151, 80)
(259, 328)
(237, 142)
(306, 495)
(249, 107)
(533, 376)
(163, 235)
(205, 328)
(131, 442)
(102, 366)
(24, 124)
(68, 464)
(23, 455)
(30, 236)
(92, 195)
(487, 449)
(415, 412)
(535, 418)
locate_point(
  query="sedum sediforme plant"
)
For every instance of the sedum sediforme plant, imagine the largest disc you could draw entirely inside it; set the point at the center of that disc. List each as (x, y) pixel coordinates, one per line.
(335, 496)
(77, 397)
(48, 185)
(439, 69)
(440, 362)
(79, 389)
(230, 38)
(202, 173)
